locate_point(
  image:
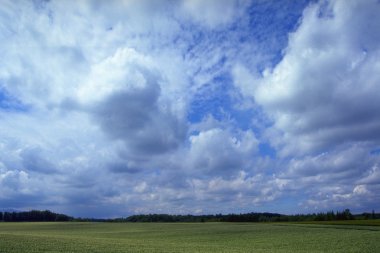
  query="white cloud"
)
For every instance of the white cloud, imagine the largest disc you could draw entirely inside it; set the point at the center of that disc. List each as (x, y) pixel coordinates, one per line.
(244, 80)
(347, 163)
(345, 177)
(218, 151)
(325, 90)
(213, 13)
(322, 98)
(372, 177)
(355, 197)
(116, 73)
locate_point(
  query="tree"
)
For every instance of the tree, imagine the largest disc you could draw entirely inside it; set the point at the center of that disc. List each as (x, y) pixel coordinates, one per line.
(348, 215)
(7, 216)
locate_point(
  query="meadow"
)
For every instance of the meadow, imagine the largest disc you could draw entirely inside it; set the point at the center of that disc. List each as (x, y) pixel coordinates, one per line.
(188, 237)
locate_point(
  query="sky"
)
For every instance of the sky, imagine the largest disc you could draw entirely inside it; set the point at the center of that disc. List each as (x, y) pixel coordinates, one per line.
(122, 107)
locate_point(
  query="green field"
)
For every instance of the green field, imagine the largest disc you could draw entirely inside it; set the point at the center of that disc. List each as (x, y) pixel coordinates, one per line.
(188, 237)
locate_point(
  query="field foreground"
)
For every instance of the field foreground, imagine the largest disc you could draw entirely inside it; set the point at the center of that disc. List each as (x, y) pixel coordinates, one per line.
(187, 237)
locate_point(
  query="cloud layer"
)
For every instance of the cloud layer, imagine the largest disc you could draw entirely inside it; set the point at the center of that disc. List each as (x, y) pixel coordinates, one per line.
(121, 107)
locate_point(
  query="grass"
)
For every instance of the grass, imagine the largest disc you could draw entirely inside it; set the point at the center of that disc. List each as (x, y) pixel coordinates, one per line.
(187, 237)
(347, 222)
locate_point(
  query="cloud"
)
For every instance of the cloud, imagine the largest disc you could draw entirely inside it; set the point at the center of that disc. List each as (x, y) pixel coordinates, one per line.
(348, 163)
(208, 13)
(355, 197)
(112, 108)
(217, 151)
(325, 89)
(99, 101)
(321, 99)
(334, 179)
(128, 107)
(33, 160)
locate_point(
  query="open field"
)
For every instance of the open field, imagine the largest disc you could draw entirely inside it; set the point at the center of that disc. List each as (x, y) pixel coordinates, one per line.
(187, 237)
(346, 222)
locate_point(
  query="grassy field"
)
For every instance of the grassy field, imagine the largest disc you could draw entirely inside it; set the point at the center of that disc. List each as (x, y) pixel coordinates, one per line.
(187, 237)
(347, 222)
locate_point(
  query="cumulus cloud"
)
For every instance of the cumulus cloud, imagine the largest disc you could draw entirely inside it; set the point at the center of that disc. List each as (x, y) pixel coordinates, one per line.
(218, 151)
(321, 99)
(111, 108)
(325, 89)
(100, 93)
(124, 95)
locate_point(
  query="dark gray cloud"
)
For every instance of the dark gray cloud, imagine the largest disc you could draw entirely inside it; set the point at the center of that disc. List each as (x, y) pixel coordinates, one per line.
(34, 160)
(123, 167)
(136, 117)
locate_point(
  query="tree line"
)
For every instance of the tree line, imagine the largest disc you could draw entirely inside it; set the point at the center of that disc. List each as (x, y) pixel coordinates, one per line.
(47, 215)
(246, 217)
(249, 217)
(34, 215)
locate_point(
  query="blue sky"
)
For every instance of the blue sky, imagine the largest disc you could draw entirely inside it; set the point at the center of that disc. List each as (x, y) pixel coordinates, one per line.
(112, 108)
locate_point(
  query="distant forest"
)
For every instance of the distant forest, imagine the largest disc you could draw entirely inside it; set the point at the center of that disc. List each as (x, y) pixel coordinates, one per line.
(47, 215)
(250, 217)
(34, 215)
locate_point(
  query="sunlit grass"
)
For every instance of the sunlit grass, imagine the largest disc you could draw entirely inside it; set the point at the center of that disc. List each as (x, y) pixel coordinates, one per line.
(347, 222)
(186, 237)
